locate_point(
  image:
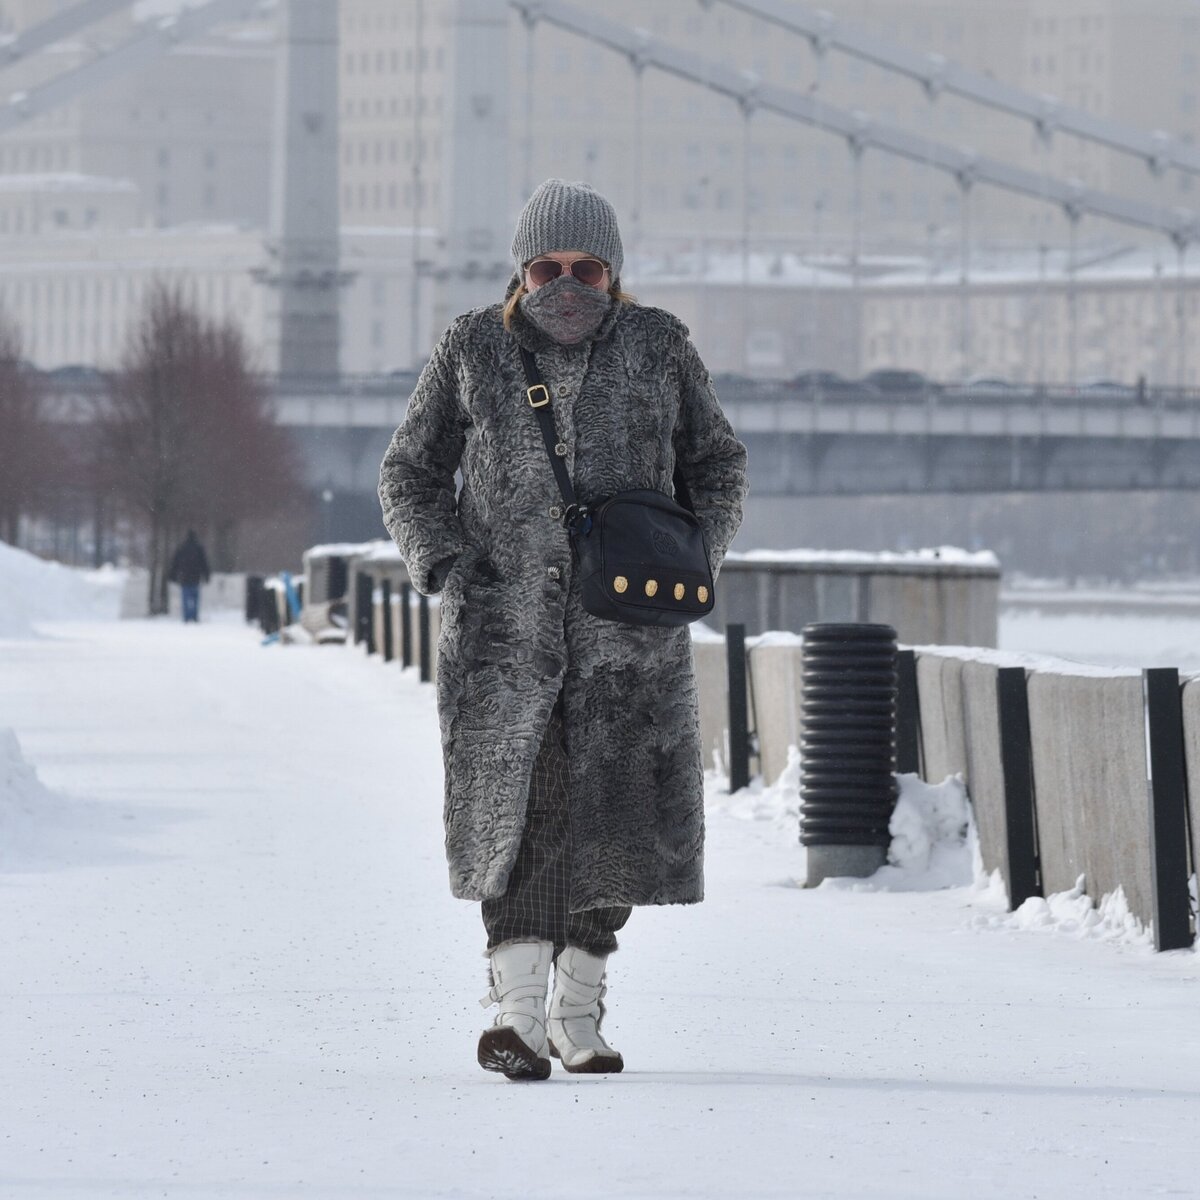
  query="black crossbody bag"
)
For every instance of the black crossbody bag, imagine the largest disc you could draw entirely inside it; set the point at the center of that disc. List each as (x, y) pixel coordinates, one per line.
(641, 556)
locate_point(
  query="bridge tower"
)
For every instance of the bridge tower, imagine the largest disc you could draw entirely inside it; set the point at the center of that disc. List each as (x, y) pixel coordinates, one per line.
(304, 273)
(477, 210)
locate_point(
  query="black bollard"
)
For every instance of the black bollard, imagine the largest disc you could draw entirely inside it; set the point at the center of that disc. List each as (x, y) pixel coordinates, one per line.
(406, 625)
(739, 716)
(1167, 791)
(268, 610)
(254, 587)
(372, 647)
(847, 747)
(388, 647)
(423, 638)
(362, 606)
(908, 715)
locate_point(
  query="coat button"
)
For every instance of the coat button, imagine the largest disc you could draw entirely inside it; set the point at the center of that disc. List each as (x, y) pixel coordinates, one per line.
(555, 512)
(563, 389)
(561, 449)
(553, 572)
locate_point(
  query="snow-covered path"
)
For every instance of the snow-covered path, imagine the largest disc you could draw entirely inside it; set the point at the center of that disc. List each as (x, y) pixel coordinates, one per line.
(230, 967)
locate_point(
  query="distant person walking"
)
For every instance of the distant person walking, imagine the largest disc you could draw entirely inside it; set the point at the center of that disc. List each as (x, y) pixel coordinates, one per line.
(574, 774)
(189, 568)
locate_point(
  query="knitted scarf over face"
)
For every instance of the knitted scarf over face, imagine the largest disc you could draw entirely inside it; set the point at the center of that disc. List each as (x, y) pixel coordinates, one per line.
(565, 309)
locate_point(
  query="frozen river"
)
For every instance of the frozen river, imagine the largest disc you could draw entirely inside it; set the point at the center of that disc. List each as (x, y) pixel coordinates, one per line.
(1150, 627)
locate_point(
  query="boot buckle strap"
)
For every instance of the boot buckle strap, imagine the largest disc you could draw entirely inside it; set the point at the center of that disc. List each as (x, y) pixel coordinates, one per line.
(497, 994)
(565, 1009)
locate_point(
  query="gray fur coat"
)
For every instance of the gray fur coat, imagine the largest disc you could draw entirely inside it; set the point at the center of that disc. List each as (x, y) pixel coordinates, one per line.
(513, 630)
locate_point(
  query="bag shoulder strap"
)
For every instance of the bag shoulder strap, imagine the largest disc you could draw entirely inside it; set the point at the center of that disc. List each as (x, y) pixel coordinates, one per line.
(538, 395)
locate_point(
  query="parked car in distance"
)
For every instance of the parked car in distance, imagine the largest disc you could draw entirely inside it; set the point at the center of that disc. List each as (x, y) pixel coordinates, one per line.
(729, 385)
(1107, 390)
(817, 384)
(733, 379)
(892, 381)
(980, 387)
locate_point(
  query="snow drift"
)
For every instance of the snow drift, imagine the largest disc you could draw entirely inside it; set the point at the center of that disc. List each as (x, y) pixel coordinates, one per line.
(33, 590)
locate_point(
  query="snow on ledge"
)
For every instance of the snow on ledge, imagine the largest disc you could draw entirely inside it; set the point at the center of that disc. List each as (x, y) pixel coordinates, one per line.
(951, 555)
(1047, 664)
(378, 550)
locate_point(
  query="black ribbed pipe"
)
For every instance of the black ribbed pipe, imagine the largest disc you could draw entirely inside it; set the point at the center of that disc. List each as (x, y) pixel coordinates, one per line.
(848, 735)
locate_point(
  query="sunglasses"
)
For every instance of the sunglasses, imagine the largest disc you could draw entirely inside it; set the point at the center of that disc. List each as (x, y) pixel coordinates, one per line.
(586, 270)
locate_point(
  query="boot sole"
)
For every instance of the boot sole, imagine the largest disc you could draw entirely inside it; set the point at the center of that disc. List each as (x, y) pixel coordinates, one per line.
(504, 1051)
(598, 1064)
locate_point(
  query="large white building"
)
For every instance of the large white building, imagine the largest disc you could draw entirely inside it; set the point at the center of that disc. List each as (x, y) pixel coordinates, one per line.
(191, 130)
(746, 226)
(76, 295)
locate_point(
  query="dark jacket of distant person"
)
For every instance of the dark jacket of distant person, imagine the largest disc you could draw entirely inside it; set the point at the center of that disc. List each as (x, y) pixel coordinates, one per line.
(189, 566)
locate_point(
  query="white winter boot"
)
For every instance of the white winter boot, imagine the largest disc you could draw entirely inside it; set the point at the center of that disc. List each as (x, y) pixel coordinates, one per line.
(576, 1010)
(516, 1043)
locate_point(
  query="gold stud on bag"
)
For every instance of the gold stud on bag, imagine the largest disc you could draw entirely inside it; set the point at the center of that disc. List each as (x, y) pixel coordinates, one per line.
(651, 586)
(702, 595)
(620, 583)
(679, 591)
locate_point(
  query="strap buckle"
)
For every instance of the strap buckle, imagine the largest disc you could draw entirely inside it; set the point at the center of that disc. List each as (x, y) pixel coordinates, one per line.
(545, 395)
(576, 513)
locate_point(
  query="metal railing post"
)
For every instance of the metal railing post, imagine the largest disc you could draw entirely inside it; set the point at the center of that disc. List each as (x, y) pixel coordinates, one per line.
(739, 732)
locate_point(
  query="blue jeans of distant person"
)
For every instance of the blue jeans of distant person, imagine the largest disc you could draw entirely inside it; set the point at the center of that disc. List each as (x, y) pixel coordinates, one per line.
(191, 601)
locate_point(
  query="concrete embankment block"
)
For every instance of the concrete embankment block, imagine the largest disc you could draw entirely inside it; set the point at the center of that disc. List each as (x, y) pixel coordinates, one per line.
(943, 732)
(775, 687)
(395, 616)
(1089, 767)
(985, 767)
(1191, 746)
(713, 691)
(907, 602)
(378, 616)
(983, 607)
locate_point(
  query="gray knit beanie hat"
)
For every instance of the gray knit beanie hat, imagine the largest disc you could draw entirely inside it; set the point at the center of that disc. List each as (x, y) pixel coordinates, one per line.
(568, 216)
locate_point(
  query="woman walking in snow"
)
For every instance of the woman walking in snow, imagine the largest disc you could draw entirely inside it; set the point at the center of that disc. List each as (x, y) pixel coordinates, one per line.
(574, 781)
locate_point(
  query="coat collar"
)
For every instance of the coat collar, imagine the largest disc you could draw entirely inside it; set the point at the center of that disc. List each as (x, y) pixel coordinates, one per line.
(532, 338)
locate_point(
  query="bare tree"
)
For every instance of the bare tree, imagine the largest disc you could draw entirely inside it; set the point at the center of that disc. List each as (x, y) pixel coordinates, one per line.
(189, 434)
(24, 438)
(251, 468)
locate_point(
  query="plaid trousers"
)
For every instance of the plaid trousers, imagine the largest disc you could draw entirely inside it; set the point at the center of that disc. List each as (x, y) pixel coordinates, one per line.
(536, 903)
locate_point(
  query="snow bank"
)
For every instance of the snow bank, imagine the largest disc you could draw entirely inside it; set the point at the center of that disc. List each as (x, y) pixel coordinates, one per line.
(934, 844)
(935, 847)
(45, 830)
(1069, 914)
(26, 808)
(33, 590)
(779, 803)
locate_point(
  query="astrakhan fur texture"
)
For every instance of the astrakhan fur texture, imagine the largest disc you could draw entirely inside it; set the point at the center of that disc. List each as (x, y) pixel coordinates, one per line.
(625, 405)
